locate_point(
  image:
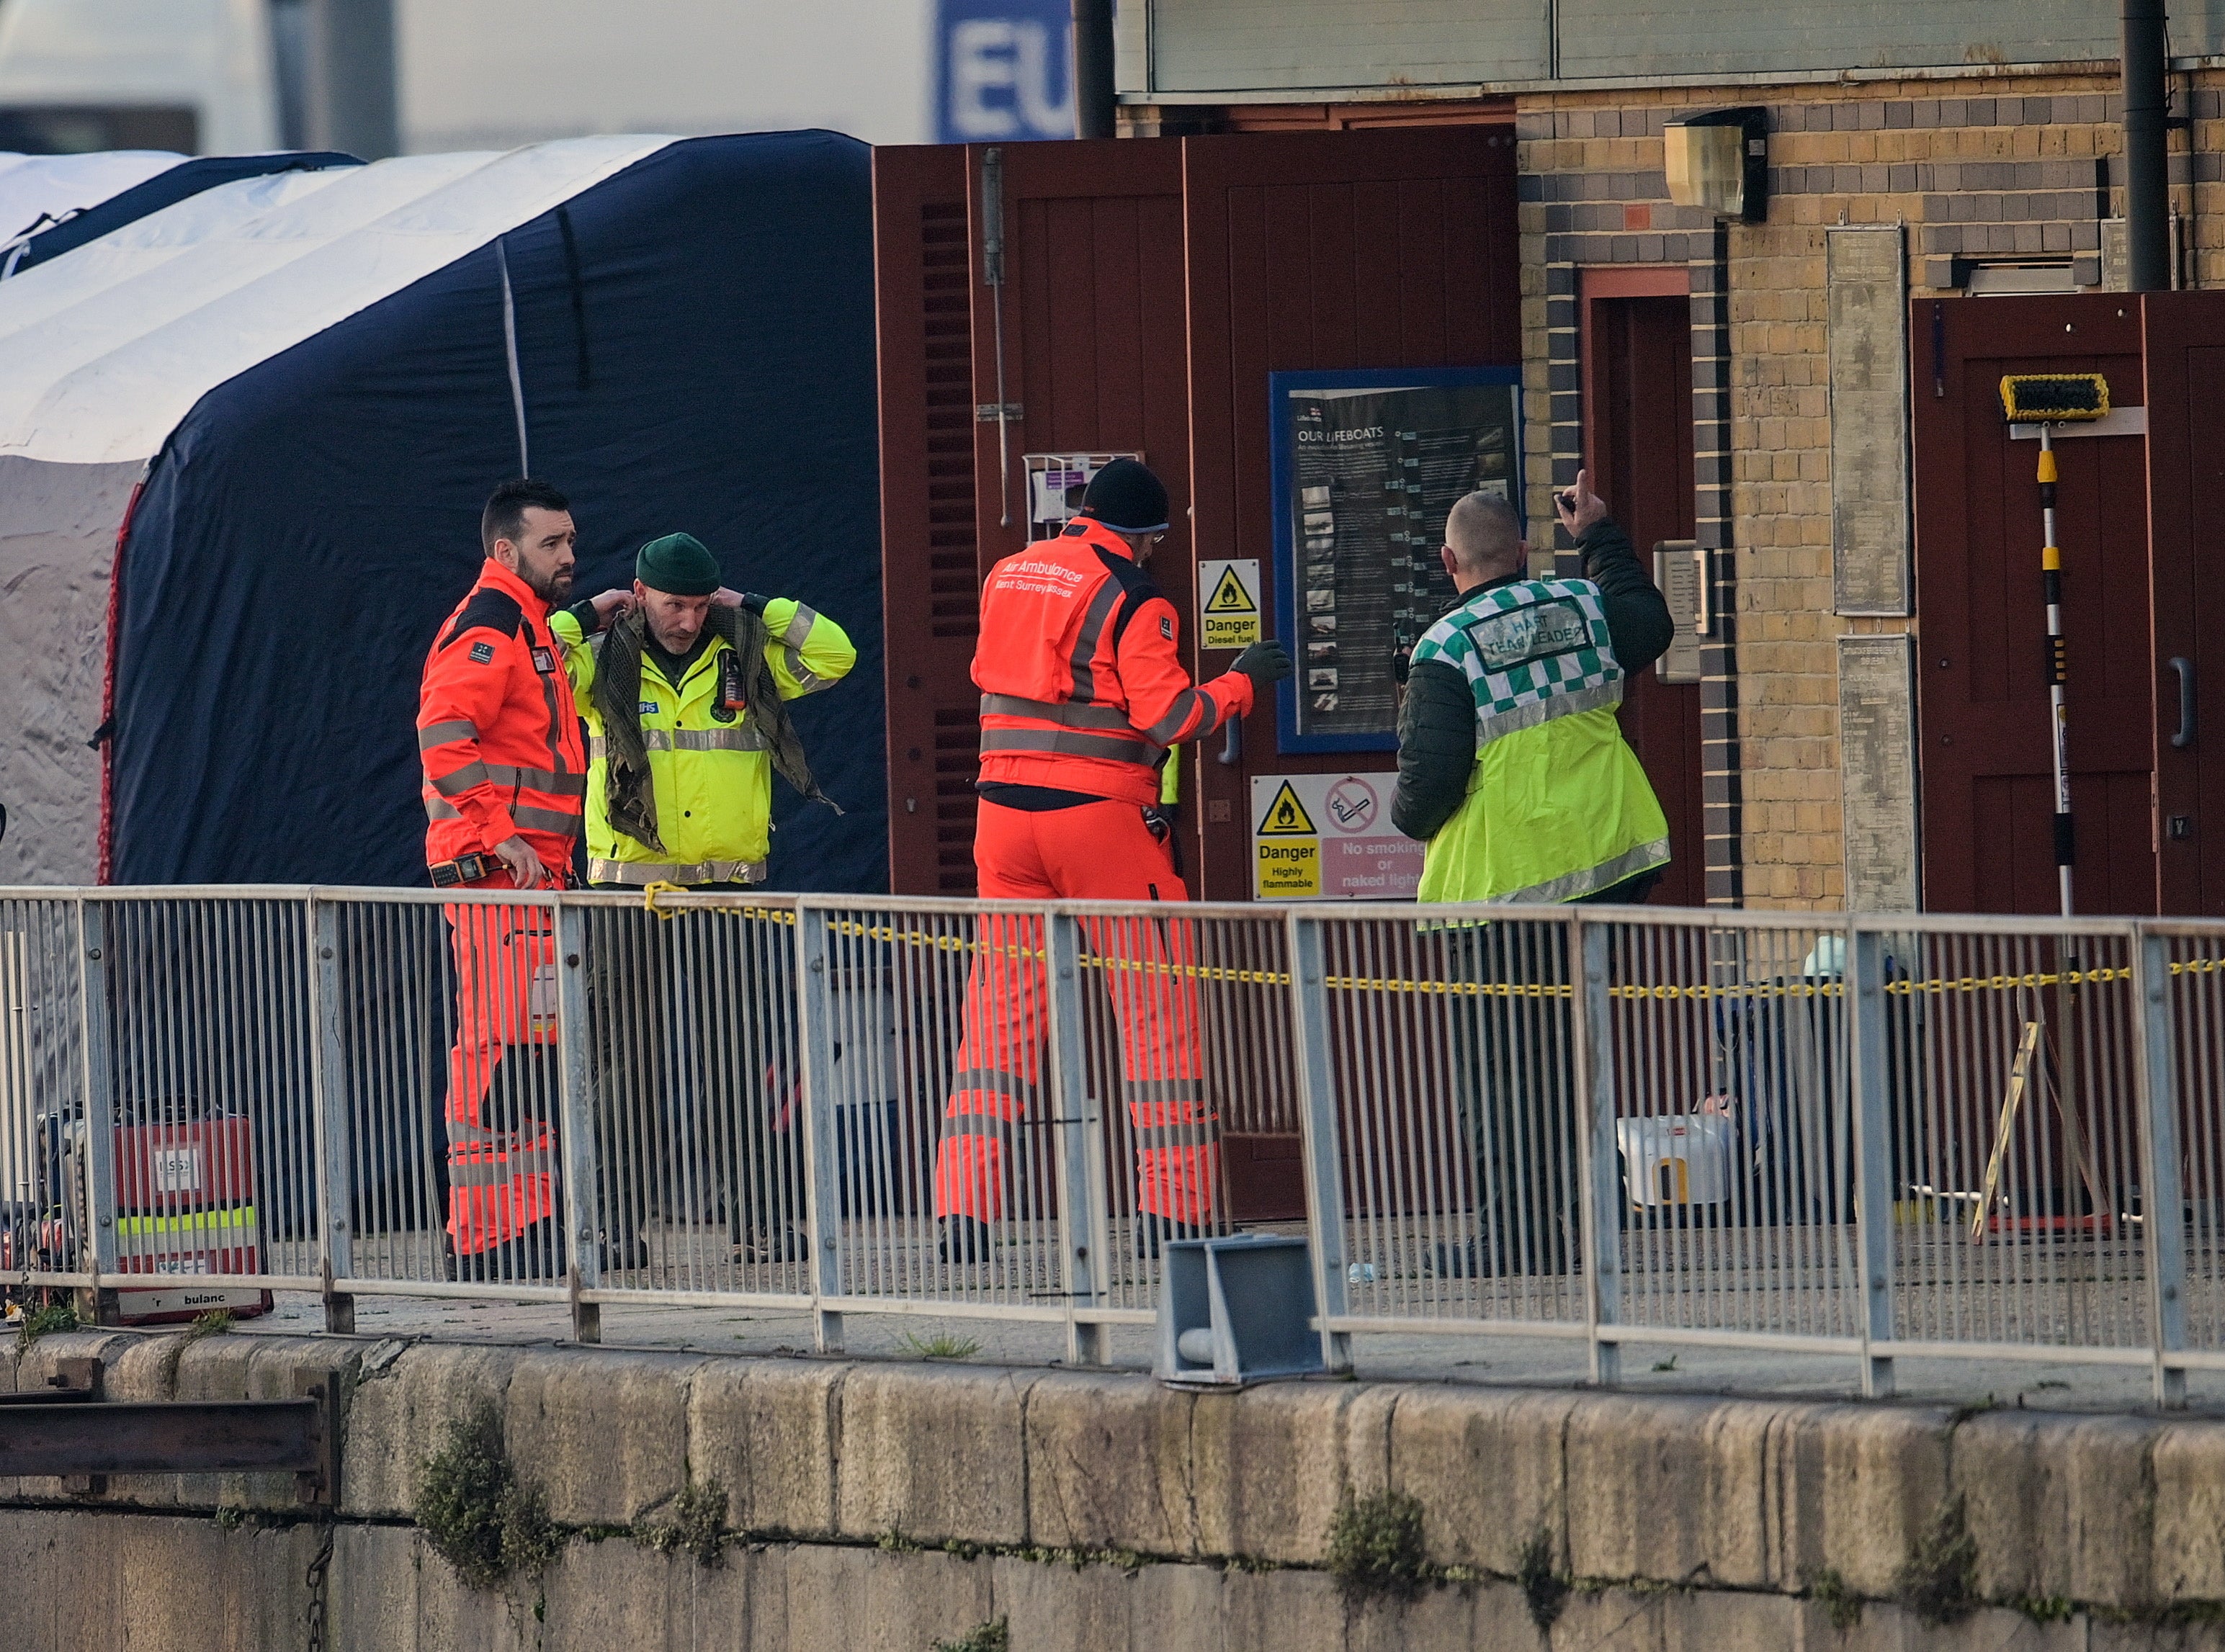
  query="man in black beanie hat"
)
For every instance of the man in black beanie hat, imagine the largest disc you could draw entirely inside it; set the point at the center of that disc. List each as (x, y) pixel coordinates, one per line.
(1083, 695)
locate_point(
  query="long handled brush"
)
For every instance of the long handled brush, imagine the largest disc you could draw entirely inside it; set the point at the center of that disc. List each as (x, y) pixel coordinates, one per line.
(2048, 400)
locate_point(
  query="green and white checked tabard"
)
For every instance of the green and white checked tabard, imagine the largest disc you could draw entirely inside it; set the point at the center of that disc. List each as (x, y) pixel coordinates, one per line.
(1530, 652)
(1557, 807)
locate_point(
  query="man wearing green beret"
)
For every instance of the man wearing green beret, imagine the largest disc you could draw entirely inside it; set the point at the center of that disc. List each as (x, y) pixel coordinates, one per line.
(684, 685)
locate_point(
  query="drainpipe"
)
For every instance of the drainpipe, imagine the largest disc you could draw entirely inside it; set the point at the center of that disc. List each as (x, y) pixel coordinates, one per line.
(2147, 178)
(1092, 68)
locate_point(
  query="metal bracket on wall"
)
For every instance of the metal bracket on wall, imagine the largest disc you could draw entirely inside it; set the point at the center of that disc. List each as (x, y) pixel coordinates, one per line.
(67, 1430)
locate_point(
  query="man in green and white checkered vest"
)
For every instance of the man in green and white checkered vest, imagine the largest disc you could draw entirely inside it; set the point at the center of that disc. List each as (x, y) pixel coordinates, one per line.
(1513, 769)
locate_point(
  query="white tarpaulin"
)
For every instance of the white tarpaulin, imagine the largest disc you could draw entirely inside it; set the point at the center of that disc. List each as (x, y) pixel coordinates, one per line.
(106, 348)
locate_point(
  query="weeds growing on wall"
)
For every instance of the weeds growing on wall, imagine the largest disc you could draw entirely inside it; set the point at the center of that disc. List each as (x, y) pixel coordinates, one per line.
(995, 1636)
(1939, 1582)
(475, 1511)
(44, 1321)
(1544, 1589)
(1839, 1604)
(698, 1526)
(1375, 1547)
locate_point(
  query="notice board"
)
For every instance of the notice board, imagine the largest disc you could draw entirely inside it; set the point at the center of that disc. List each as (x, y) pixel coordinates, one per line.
(1366, 463)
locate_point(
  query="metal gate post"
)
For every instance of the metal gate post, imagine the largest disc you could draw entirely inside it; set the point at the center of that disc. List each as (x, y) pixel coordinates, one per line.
(2162, 1196)
(1870, 1092)
(329, 1119)
(1324, 1161)
(1594, 1037)
(1081, 1197)
(822, 1196)
(97, 1245)
(576, 1109)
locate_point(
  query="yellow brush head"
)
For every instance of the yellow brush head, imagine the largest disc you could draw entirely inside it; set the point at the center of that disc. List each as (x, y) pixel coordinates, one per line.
(2055, 398)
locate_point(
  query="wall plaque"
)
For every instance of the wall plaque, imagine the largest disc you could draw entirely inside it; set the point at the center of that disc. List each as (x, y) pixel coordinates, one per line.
(1867, 307)
(1877, 767)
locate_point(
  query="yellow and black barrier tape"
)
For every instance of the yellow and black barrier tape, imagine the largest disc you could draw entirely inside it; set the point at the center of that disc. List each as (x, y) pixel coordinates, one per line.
(1235, 976)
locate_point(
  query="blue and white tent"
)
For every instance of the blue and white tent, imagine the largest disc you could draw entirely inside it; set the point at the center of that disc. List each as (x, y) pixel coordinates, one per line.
(245, 439)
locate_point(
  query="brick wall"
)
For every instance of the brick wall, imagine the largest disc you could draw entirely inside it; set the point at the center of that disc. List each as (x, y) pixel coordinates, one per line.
(1974, 174)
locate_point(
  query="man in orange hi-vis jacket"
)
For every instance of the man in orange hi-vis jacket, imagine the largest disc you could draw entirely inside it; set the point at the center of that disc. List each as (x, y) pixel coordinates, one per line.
(505, 782)
(1083, 693)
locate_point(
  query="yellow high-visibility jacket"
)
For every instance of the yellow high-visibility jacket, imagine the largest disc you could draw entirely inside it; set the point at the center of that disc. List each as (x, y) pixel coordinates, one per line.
(713, 777)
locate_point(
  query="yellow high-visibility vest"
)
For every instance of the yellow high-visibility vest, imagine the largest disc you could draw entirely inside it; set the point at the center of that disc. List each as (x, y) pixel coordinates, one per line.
(712, 768)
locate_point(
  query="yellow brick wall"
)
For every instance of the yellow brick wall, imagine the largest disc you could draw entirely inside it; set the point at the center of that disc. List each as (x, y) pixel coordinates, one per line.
(1780, 412)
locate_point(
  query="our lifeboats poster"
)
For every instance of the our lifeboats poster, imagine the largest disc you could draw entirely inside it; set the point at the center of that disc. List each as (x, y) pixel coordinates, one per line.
(1366, 464)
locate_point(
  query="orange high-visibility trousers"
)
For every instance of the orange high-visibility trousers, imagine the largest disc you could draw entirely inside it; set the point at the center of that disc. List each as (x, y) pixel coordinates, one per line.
(1097, 852)
(501, 1157)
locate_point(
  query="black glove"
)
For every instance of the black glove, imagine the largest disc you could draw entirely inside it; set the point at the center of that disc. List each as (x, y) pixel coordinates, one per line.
(1264, 662)
(1163, 818)
(753, 602)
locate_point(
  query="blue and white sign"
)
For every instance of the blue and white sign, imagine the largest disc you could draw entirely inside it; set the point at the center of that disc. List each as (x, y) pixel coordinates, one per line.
(1004, 71)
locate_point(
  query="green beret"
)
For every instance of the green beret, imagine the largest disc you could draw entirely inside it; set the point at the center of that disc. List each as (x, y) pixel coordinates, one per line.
(678, 566)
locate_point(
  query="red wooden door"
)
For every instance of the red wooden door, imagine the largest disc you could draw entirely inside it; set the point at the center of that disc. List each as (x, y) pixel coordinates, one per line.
(2184, 343)
(930, 583)
(1982, 680)
(1637, 341)
(1321, 250)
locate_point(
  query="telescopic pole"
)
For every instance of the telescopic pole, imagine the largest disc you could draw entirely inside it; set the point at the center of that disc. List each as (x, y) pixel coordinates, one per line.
(2058, 666)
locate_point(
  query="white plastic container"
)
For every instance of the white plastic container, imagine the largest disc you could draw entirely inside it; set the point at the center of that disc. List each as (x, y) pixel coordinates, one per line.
(1684, 1159)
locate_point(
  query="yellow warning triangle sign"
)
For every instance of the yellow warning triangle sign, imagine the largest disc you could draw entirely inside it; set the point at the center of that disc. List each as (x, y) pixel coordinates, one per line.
(1230, 597)
(1287, 818)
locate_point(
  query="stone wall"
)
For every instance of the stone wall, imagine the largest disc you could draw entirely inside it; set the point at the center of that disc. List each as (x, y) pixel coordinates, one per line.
(885, 1504)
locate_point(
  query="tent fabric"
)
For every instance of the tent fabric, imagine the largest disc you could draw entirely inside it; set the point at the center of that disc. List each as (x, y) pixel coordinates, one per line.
(50, 187)
(57, 527)
(143, 361)
(165, 188)
(695, 342)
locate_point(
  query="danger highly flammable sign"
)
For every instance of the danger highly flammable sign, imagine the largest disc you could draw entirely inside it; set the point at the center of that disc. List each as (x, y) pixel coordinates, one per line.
(1330, 836)
(1229, 603)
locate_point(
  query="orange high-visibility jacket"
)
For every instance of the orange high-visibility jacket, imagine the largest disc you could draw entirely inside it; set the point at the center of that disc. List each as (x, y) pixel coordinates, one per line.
(496, 731)
(1082, 685)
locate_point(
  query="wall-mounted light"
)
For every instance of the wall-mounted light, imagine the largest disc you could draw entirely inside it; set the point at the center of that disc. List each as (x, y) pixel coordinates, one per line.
(1719, 161)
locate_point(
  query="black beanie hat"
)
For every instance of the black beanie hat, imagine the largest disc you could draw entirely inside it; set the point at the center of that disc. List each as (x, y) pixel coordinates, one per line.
(1125, 495)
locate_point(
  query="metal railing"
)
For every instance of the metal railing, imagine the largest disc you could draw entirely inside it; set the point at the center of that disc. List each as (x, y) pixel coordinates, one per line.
(1875, 1137)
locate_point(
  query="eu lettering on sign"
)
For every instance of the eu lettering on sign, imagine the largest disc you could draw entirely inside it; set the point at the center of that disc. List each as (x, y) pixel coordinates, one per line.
(1004, 71)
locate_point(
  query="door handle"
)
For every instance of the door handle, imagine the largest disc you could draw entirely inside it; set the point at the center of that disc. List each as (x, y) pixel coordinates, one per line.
(1231, 742)
(2185, 666)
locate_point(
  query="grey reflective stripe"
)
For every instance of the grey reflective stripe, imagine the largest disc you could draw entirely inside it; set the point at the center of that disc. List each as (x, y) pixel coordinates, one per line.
(541, 780)
(998, 1084)
(1602, 697)
(742, 737)
(460, 1132)
(1573, 886)
(807, 679)
(1085, 643)
(638, 874)
(799, 628)
(532, 820)
(439, 734)
(1162, 1089)
(493, 1173)
(1195, 1135)
(976, 1124)
(1071, 745)
(548, 695)
(1185, 707)
(436, 810)
(1072, 715)
(458, 781)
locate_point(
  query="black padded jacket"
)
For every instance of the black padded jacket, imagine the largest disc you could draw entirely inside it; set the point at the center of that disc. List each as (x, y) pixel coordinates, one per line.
(1436, 724)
